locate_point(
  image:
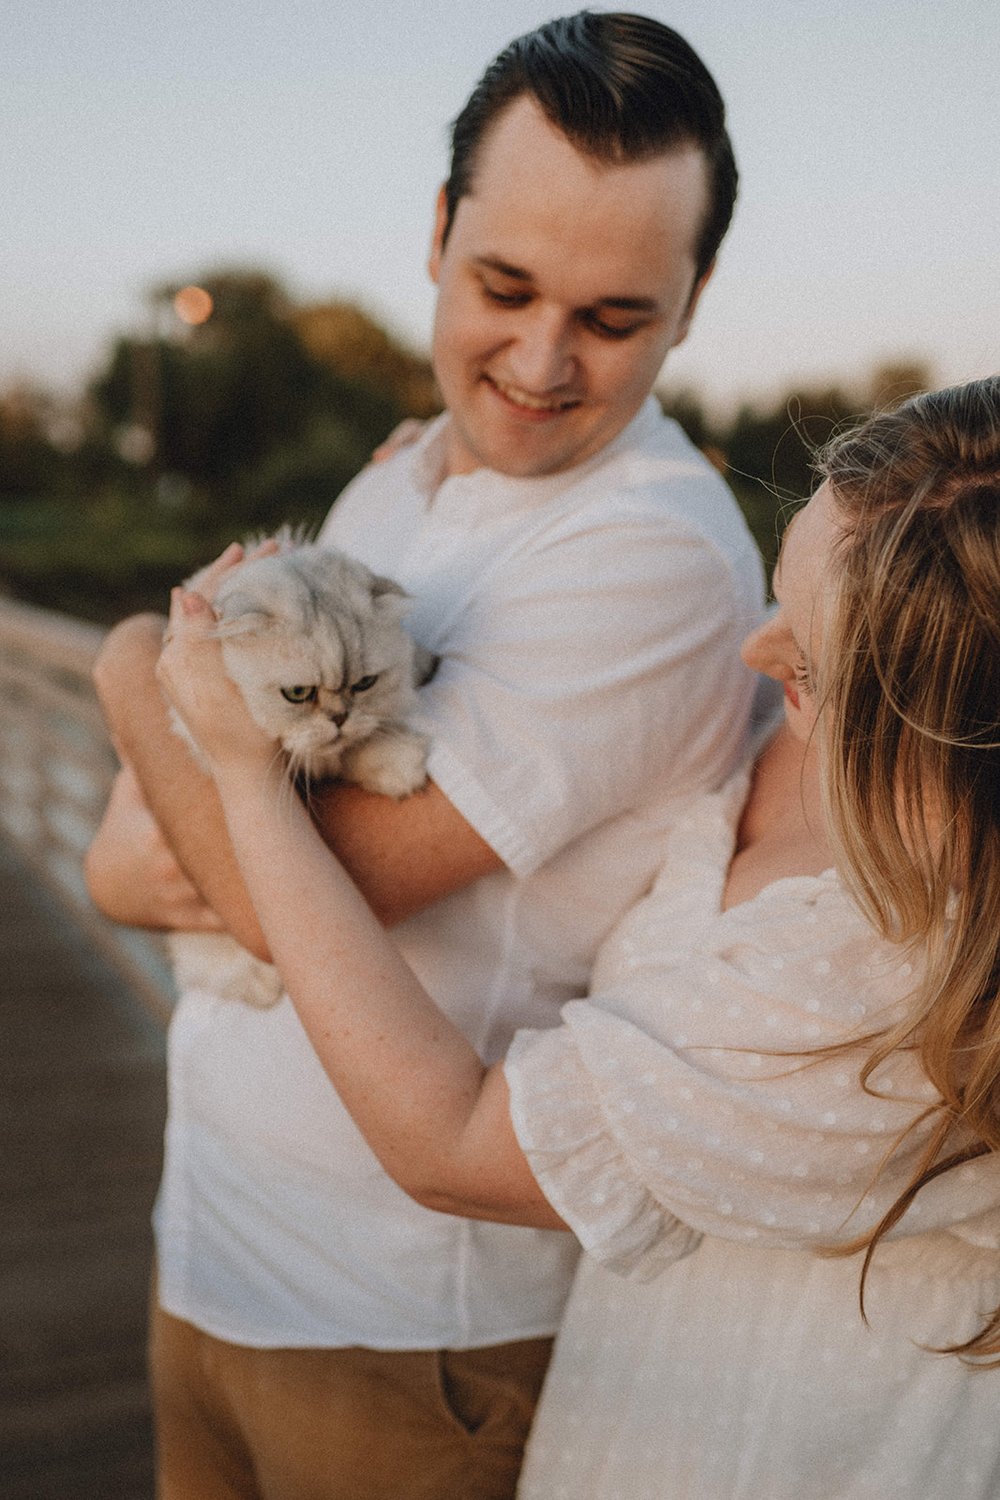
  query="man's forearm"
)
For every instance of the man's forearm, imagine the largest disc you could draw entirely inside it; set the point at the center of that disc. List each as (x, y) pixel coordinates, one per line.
(181, 797)
(131, 872)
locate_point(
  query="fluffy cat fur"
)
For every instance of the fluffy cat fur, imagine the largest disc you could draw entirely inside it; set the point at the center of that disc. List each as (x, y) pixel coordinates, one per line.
(315, 643)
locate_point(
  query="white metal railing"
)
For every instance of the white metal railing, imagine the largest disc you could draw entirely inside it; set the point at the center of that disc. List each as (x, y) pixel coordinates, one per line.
(56, 766)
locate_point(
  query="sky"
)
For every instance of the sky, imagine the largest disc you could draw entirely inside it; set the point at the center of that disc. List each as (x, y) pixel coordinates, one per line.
(148, 143)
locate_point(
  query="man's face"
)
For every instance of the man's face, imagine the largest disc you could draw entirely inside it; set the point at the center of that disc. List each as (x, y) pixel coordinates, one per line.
(563, 283)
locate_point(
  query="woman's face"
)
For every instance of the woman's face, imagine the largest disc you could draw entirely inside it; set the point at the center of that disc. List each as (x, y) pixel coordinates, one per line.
(788, 645)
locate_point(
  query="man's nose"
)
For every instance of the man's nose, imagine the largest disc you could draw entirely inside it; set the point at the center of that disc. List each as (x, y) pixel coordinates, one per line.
(542, 358)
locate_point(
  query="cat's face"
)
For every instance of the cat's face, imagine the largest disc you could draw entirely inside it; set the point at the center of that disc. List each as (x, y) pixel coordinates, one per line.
(315, 644)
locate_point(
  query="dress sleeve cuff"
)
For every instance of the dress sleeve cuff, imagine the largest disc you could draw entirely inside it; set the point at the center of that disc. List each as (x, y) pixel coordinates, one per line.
(579, 1165)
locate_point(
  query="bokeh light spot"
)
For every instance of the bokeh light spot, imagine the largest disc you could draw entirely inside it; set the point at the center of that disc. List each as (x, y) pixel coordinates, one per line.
(193, 305)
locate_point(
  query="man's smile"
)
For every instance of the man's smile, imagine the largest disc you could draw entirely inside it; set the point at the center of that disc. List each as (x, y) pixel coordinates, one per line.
(526, 401)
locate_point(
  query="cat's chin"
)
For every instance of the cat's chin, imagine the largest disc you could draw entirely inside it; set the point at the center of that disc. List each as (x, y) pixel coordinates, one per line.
(321, 757)
(321, 764)
(308, 746)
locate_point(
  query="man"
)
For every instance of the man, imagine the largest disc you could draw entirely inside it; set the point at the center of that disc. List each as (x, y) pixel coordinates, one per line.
(586, 579)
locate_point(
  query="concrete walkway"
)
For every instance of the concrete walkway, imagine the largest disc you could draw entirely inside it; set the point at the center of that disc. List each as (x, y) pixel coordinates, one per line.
(81, 1122)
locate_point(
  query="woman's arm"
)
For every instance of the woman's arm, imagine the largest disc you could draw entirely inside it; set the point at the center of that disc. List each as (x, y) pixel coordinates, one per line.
(435, 1116)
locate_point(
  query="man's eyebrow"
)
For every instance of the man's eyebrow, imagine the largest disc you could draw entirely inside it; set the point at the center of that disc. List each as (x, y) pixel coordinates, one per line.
(630, 304)
(492, 263)
(517, 273)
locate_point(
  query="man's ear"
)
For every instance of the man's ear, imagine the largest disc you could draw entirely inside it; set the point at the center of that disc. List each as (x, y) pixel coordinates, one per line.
(437, 243)
(693, 300)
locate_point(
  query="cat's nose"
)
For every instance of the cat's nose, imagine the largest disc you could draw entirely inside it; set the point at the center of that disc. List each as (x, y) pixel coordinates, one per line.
(338, 718)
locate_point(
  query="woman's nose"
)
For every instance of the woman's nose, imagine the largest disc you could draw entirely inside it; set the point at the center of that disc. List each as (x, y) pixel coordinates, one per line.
(769, 648)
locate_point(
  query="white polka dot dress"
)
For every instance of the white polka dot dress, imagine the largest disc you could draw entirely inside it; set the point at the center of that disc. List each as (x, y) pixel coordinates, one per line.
(683, 1123)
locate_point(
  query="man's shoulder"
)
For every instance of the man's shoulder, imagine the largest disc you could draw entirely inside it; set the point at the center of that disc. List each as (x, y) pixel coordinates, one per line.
(377, 491)
(654, 474)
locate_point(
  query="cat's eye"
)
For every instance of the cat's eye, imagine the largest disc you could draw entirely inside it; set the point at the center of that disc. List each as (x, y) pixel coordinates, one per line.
(364, 683)
(299, 694)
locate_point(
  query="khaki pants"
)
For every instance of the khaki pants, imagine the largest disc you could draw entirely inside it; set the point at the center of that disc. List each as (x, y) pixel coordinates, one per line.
(339, 1424)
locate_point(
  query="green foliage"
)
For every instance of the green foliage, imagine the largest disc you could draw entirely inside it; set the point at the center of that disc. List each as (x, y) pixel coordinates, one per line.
(30, 463)
(261, 414)
(767, 455)
(98, 560)
(188, 440)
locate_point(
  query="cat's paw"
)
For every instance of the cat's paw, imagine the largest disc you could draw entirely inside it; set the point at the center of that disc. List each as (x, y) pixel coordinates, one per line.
(261, 987)
(392, 763)
(216, 964)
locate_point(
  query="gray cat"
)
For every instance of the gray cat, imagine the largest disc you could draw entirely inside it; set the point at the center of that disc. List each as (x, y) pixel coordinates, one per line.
(315, 643)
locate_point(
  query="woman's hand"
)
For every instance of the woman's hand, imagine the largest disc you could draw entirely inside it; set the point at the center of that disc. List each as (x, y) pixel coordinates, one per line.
(193, 678)
(206, 582)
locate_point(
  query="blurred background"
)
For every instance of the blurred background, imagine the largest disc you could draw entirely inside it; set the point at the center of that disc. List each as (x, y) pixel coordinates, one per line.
(285, 161)
(214, 224)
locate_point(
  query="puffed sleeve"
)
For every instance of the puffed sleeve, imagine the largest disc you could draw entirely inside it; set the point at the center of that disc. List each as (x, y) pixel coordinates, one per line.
(584, 1170)
(670, 1108)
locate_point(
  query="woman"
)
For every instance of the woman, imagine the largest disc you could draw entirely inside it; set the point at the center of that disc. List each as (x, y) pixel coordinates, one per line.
(786, 1082)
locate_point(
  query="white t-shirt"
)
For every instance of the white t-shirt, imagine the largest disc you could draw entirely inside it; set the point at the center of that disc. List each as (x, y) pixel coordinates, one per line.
(588, 625)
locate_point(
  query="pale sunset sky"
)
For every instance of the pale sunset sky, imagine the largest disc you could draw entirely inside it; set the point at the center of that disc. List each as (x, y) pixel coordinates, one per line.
(151, 142)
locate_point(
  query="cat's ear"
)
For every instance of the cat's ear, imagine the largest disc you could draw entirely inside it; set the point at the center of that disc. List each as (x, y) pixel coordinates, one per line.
(241, 614)
(389, 598)
(382, 586)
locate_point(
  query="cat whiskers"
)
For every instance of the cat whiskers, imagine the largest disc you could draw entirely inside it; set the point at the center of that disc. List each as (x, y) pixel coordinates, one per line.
(299, 780)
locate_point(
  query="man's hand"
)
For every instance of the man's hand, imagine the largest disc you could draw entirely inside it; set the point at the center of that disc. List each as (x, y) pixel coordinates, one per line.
(401, 436)
(133, 640)
(131, 873)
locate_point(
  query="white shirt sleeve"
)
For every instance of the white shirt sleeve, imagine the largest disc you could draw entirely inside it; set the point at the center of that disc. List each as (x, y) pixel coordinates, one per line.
(596, 670)
(666, 1110)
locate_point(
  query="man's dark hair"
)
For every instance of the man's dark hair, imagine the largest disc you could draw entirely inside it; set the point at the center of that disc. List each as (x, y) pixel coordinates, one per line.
(621, 88)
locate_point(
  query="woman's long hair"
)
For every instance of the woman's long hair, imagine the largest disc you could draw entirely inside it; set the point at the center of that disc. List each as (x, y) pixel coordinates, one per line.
(911, 728)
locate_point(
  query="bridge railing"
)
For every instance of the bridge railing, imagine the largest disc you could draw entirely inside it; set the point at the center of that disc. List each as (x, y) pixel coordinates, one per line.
(56, 768)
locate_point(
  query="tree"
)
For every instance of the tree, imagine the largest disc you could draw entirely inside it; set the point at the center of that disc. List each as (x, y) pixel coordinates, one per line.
(31, 462)
(238, 408)
(347, 341)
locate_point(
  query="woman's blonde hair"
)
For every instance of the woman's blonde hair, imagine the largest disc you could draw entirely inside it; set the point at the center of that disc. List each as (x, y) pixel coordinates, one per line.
(911, 688)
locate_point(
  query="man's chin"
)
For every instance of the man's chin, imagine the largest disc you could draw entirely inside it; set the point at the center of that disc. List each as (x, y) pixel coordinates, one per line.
(517, 456)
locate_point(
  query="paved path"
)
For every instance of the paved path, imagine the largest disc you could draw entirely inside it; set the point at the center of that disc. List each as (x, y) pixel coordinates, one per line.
(81, 1121)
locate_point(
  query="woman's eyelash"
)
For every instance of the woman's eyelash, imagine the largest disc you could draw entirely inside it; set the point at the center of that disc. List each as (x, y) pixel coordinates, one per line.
(802, 677)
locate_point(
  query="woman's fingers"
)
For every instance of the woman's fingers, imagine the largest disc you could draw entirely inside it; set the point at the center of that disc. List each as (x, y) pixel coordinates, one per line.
(187, 608)
(208, 580)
